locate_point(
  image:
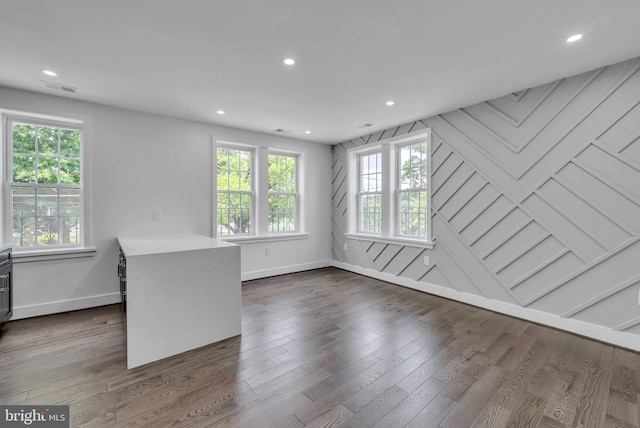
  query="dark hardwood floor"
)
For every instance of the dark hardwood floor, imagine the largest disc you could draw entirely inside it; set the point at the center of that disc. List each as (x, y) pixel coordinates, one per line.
(327, 348)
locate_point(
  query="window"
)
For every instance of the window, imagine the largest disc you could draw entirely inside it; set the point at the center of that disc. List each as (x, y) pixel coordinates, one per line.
(44, 184)
(412, 189)
(370, 193)
(282, 193)
(258, 194)
(235, 191)
(389, 189)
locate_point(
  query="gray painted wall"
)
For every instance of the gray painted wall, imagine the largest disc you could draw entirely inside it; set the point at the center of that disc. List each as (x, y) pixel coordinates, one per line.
(535, 201)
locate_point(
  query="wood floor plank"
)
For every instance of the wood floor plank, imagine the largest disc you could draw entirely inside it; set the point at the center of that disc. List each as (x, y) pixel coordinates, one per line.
(409, 408)
(530, 412)
(348, 389)
(327, 348)
(494, 416)
(433, 413)
(593, 398)
(468, 409)
(331, 418)
(376, 409)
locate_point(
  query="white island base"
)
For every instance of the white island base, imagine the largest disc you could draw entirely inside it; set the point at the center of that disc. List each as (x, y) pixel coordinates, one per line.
(182, 293)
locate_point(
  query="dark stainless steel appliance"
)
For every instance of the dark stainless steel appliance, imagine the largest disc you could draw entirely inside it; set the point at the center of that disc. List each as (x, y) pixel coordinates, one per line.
(122, 274)
(6, 287)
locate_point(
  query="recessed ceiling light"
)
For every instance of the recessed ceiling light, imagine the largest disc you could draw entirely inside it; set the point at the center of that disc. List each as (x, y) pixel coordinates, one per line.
(289, 61)
(307, 132)
(220, 112)
(50, 73)
(574, 38)
(390, 103)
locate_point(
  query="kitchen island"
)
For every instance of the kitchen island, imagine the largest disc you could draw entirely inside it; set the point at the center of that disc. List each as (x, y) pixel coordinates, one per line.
(182, 292)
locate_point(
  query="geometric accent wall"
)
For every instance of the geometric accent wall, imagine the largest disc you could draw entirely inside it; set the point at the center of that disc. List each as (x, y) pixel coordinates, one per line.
(535, 200)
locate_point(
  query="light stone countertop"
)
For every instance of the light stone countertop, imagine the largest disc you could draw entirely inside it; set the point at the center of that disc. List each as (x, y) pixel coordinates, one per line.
(169, 244)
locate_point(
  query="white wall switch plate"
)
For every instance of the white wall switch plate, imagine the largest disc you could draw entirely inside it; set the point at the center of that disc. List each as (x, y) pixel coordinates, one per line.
(267, 251)
(426, 260)
(157, 216)
(345, 246)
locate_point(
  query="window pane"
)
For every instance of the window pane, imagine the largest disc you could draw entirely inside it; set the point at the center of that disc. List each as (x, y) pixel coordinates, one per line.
(233, 180)
(282, 213)
(234, 213)
(244, 171)
(413, 213)
(282, 173)
(371, 172)
(47, 170)
(47, 141)
(24, 216)
(413, 166)
(70, 216)
(47, 216)
(69, 171)
(24, 169)
(69, 143)
(282, 193)
(371, 213)
(234, 170)
(24, 138)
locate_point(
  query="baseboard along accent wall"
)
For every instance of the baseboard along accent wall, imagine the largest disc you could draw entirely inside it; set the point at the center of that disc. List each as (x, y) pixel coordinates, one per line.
(600, 333)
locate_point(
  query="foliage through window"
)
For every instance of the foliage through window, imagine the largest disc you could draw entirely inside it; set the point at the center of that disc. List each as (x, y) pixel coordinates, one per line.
(45, 184)
(235, 191)
(282, 193)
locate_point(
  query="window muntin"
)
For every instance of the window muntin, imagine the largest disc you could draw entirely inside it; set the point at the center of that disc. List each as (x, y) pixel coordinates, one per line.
(412, 190)
(45, 188)
(370, 193)
(235, 191)
(282, 173)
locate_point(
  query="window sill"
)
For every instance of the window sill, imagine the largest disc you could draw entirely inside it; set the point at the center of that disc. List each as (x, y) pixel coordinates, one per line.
(27, 256)
(264, 238)
(410, 242)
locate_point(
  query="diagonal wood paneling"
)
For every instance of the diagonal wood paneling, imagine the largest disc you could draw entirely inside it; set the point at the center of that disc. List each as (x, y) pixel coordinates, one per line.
(535, 199)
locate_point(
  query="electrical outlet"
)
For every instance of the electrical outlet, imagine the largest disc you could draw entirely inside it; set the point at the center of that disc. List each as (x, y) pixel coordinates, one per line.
(426, 260)
(267, 251)
(345, 246)
(157, 216)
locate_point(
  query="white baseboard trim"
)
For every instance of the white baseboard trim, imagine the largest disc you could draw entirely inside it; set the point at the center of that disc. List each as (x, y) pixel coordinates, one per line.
(593, 331)
(257, 274)
(49, 308)
(20, 312)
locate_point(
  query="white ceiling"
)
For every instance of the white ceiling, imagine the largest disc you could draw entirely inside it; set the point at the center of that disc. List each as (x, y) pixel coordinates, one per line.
(189, 58)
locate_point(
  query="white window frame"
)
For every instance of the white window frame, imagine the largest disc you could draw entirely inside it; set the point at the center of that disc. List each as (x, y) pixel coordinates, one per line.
(252, 192)
(362, 193)
(260, 177)
(390, 228)
(49, 252)
(295, 194)
(399, 191)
